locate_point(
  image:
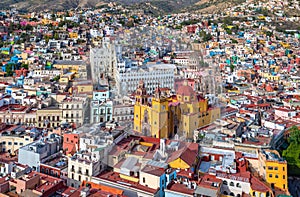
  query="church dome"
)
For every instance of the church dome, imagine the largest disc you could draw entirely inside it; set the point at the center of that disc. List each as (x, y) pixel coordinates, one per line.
(185, 90)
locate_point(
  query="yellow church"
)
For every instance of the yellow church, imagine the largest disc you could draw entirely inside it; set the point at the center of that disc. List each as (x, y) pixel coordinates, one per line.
(163, 115)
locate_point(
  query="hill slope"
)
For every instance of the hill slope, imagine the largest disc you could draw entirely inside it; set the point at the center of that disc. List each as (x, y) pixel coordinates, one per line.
(154, 6)
(36, 5)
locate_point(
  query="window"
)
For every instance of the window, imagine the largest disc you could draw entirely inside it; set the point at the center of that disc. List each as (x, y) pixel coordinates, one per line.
(231, 184)
(15, 143)
(283, 176)
(238, 185)
(79, 178)
(283, 168)
(270, 168)
(276, 168)
(9, 143)
(283, 186)
(21, 144)
(276, 176)
(225, 183)
(270, 175)
(3, 142)
(144, 180)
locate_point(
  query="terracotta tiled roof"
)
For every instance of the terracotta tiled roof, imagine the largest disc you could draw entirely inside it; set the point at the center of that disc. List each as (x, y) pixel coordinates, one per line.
(188, 157)
(258, 185)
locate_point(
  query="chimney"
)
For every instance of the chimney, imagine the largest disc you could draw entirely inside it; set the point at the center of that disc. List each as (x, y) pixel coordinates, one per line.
(163, 146)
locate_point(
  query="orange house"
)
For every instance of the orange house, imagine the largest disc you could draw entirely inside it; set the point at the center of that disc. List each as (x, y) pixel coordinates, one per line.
(71, 143)
(104, 188)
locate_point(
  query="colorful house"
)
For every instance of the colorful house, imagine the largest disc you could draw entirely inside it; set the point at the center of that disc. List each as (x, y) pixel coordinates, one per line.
(273, 169)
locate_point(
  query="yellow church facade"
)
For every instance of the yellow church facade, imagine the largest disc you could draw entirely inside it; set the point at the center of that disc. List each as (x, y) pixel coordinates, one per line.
(163, 116)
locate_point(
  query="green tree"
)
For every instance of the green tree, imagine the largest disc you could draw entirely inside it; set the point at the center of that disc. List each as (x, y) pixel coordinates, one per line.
(24, 66)
(28, 28)
(294, 135)
(56, 36)
(234, 41)
(56, 78)
(292, 153)
(232, 67)
(269, 33)
(205, 36)
(9, 70)
(47, 38)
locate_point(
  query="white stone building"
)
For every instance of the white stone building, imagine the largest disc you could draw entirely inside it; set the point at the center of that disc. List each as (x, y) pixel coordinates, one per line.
(103, 60)
(152, 75)
(74, 110)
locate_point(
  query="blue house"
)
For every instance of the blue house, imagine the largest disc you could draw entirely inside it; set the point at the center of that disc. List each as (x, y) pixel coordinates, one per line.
(101, 106)
(157, 175)
(20, 81)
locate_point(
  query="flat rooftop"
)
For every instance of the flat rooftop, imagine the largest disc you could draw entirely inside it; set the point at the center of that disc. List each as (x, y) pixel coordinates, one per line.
(60, 162)
(114, 177)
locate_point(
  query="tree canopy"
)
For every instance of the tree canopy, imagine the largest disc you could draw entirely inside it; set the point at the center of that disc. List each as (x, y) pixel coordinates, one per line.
(292, 153)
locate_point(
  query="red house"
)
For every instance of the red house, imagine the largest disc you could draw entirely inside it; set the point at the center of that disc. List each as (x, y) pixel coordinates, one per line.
(192, 29)
(21, 72)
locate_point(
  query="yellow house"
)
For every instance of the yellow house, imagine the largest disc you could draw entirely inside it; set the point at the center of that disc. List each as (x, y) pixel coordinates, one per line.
(85, 88)
(12, 143)
(270, 77)
(70, 66)
(234, 91)
(50, 116)
(64, 79)
(73, 35)
(46, 21)
(164, 116)
(273, 169)
(285, 45)
(261, 17)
